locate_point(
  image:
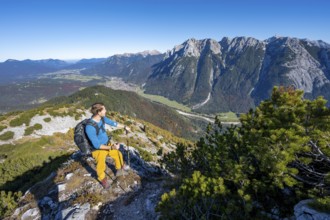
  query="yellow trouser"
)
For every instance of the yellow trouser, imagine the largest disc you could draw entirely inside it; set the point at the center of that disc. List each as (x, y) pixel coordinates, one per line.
(100, 156)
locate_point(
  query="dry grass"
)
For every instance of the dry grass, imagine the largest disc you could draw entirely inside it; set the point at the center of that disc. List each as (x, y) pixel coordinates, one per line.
(75, 182)
(92, 198)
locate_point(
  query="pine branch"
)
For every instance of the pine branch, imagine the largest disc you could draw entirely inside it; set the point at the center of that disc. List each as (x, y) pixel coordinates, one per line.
(306, 181)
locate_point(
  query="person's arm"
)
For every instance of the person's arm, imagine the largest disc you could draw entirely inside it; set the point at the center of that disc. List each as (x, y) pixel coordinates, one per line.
(110, 122)
(115, 124)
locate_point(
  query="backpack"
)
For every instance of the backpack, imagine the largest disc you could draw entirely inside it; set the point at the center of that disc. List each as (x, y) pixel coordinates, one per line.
(80, 136)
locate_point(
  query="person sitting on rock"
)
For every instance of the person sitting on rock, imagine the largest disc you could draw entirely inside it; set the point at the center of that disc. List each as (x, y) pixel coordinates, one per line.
(99, 142)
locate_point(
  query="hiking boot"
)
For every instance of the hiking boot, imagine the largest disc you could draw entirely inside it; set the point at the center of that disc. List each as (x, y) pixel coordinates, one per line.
(121, 172)
(105, 183)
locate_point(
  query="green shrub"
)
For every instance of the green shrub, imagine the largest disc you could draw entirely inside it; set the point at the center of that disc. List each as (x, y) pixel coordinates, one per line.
(128, 123)
(8, 202)
(321, 204)
(242, 172)
(160, 152)
(48, 119)
(21, 173)
(23, 118)
(147, 156)
(19, 121)
(2, 127)
(28, 130)
(7, 135)
(3, 117)
(37, 126)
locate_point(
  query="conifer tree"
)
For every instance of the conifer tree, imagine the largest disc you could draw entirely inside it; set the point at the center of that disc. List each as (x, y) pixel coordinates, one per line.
(278, 156)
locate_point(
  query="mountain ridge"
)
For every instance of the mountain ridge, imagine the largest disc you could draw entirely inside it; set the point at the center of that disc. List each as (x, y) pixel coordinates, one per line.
(236, 74)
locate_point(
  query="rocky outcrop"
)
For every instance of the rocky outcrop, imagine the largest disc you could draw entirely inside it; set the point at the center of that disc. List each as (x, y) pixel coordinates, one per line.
(74, 193)
(303, 211)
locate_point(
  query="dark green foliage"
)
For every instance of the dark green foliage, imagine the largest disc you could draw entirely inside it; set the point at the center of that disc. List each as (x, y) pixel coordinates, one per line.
(2, 127)
(7, 135)
(21, 158)
(146, 155)
(321, 204)
(24, 118)
(278, 156)
(59, 110)
(136, 143)
(3, 117)
(33, 174)
(178, 162)
(30, 130)
(37, 126)
(20, 174)
(160, 152)
(48, 119)
(8, 202)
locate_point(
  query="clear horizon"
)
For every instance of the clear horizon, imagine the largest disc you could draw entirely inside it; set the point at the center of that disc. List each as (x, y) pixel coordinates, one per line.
(72, 29)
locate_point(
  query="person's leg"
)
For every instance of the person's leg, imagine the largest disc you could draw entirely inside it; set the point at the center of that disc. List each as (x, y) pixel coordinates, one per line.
(99, 156)
(118, 158)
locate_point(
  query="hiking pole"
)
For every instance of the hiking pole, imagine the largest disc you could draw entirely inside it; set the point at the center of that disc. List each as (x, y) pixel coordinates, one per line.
(127, 148)
(113, 180)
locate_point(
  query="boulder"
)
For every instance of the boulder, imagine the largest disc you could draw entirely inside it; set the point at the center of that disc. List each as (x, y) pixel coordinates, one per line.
(303, 211)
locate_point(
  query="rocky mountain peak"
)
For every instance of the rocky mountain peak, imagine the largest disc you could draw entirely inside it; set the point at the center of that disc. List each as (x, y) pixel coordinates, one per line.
(317, 43)
(238, 44)
(149, 52)
(191, 48)
(212, 45)
(143, 53)
(273, 38)
(194, 48)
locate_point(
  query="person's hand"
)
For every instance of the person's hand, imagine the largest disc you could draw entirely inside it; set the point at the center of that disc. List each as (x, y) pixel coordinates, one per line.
(126, 128)
(117, 146)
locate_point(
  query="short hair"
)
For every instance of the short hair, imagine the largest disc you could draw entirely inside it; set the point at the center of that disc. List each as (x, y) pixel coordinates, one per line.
(97, 107)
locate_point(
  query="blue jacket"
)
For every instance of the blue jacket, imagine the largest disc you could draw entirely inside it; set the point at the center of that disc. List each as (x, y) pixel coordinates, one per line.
(102, 137)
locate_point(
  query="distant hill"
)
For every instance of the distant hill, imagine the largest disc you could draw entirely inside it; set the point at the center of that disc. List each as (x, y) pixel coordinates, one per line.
(27, 69)
(134, 68)
(19, 71)
(131, 104)
(86, 63)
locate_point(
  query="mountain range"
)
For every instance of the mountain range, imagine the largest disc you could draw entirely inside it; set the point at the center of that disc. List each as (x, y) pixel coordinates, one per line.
(207, 75)
(236, 74)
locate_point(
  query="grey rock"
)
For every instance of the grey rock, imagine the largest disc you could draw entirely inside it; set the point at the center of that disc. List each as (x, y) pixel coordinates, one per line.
(74, 212)
(31, 214)
(303, 212)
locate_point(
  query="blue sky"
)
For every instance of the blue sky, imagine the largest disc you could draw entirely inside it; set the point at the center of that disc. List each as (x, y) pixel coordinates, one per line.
(74, 29)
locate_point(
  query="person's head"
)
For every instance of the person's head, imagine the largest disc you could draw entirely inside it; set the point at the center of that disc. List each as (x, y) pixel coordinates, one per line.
(98, 108)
